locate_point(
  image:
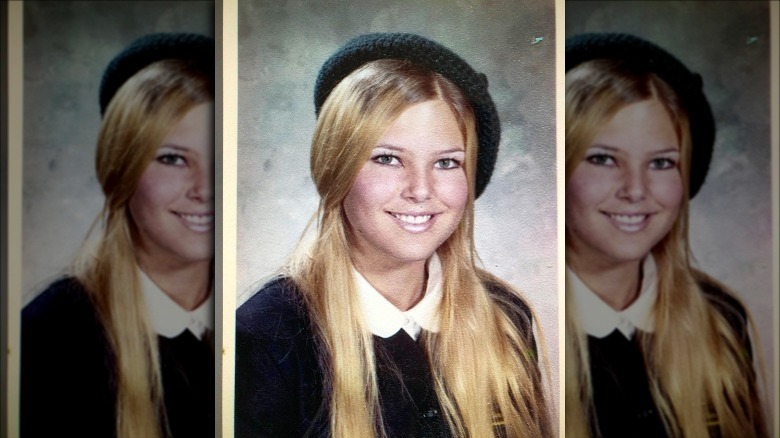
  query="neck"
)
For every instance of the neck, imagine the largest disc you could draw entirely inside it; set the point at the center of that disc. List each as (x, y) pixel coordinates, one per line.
(616, 284)
(403, 285)
(187, 285)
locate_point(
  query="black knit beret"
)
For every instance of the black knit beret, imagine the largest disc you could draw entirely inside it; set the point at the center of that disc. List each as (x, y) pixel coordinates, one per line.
(427, 54)
(642, 55)
(199, 49)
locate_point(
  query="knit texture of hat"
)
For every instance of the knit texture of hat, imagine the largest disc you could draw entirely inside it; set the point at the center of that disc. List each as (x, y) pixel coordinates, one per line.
(642, 55)
(430, 55)
(196, 48)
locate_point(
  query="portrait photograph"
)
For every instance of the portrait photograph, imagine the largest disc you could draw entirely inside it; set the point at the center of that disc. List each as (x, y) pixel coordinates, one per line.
(668, 141)
(424, 244)
(299, 86)
(117, 220)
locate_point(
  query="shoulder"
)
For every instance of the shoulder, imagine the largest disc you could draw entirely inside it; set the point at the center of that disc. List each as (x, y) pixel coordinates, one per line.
(729, 307)
(65, 300)
(724, 302)
(511, 303)
(62, 317)
(277, 309)
(62, 323)
(719, 296)
(277, 363)
(274, 325)
(64, 351)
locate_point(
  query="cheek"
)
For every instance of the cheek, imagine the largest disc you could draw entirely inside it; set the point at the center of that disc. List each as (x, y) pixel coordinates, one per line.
(668, 190)
(576, 206)
(587, 189)
(156, 189)
(368, 193)
(452, 189)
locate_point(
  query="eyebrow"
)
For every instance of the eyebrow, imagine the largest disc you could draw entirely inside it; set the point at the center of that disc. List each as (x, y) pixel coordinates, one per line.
(400, 149)
(175, 147)
(614, 149)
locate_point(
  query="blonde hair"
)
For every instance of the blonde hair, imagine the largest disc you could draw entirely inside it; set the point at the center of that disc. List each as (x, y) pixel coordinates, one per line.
(700, 378)
(136, 122)
(483, 369)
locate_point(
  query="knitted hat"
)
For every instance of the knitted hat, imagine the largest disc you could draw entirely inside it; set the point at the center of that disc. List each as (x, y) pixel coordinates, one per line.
(152, 48)
(642, 55)
(431, 55)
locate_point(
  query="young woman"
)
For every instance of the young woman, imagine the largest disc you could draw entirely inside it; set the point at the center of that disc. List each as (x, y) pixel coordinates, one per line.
(382, 324)
(653, 346)
(122, 345)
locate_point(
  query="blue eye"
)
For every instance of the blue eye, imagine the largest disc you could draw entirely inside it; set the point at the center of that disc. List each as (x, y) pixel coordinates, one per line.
(600, 159)
(171, 159)
(386, 159)
(663, 164)
(448, 163)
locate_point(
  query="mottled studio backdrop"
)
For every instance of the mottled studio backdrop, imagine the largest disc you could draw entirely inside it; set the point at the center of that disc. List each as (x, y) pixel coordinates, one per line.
(282, 45)
(728, 44)
(67, 45)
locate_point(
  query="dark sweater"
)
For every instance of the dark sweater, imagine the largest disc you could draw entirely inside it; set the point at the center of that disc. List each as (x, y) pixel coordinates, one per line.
(68, 377)
(280, 388)
(621, 392)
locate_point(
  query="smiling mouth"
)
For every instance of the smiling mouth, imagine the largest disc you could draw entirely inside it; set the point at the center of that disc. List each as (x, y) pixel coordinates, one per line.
(630, 223)
(199, 223)
(414, 223)
(413, 219)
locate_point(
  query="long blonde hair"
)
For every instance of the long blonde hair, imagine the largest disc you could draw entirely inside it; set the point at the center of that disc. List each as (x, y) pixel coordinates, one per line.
(140, 115)
(483, 369)
(701, 380)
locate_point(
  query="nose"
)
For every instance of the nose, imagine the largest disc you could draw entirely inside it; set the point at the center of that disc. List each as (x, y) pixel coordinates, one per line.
(202, 188)
(633, 186)
(419, 185)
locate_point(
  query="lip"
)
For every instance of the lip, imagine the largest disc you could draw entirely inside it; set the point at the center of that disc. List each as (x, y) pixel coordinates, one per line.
(629, 222)
(414, 222)
(197, 222)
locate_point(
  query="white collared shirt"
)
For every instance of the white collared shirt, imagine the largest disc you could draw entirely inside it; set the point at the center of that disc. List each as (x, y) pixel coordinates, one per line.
(169, 319)
(599, 319)
(384, 319)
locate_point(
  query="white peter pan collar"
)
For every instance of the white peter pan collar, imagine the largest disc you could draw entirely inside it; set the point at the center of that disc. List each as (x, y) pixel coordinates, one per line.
(169, 319)
(599, 319)
(384, 319)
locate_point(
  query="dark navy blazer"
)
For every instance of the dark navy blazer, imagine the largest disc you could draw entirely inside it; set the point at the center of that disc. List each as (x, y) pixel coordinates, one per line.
(68, 374)
(623, 403)
(281, 387)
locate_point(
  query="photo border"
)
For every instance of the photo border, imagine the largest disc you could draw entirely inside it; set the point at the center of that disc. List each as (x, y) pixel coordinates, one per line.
(13, 238)
(12, 157)
(226, 167)
(229, 165)
(772, 364)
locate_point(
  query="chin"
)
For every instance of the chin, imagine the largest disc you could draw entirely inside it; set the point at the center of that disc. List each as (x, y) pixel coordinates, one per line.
(629, 254)
(413, 255)
(197, 254)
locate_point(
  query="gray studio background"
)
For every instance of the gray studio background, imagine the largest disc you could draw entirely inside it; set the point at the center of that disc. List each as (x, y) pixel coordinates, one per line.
(728, 44)
(282, 45)
(67, 45)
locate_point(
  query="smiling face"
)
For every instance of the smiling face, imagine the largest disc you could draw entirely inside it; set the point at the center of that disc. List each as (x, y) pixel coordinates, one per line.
(625, 195)
(173, 205)
(410, 195)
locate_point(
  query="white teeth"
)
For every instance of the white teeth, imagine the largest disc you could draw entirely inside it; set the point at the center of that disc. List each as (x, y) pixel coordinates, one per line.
(629, 223)
(629, 219)
(414, 220)
(198, 219)
(199, 223)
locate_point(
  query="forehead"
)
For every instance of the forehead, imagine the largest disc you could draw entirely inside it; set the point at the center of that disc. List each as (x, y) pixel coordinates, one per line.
(643, 126)
(194, 131)
(422, 125)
